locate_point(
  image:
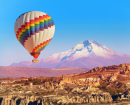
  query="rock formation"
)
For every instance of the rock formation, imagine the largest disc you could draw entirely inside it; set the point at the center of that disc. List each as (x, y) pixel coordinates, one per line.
(99, 85)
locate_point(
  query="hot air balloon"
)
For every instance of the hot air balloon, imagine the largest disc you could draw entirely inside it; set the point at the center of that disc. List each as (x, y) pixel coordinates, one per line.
(34, 30)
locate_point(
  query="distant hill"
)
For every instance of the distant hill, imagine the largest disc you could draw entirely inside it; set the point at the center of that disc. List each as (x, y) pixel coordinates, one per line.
(17, 72)
(87, 54)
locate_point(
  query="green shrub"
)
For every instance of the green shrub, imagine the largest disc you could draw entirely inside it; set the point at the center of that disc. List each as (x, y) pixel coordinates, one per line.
(99, 86)
(30, 79)
(17, 86)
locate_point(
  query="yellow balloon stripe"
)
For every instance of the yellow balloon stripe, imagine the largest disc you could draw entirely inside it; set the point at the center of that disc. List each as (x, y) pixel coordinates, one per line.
(27, 27)
(48, 17)
(32, 24)
(41, 20)
(23, 30)
(41, 47)
(36, 22)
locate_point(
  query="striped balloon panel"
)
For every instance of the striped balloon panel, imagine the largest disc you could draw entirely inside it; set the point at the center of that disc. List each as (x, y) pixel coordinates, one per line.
(34, 30)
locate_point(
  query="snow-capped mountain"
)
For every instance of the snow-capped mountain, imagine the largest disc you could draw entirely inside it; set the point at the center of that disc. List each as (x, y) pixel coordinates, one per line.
(87, 54)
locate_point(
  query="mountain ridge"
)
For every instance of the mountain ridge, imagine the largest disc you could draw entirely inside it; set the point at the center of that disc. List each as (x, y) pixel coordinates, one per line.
(86, 54)
(18, 72)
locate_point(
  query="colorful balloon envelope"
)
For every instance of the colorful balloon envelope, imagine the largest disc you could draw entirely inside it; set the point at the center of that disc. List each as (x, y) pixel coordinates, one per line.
(34, 30)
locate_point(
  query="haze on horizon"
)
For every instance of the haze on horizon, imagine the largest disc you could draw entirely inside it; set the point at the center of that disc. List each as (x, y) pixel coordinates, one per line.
(107, 22)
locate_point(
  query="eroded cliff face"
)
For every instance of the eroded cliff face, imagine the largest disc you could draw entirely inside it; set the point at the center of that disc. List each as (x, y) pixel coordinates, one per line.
(99, 85)
(54, 95)
(56, 99)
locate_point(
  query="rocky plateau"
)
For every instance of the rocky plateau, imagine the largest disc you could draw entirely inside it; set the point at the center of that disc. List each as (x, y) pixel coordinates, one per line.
(108, 85)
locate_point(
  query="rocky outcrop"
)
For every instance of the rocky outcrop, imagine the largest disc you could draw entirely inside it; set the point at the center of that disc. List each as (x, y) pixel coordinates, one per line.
(113, 77)
(124, 96)
(79, 96)
(87, 87)
(76, 90)
(24, 100)
(124, 66)
(88, 98)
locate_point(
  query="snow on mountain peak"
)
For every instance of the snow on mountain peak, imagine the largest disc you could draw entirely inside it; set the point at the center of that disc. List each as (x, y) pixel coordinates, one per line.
(89, 47)
(84, 49)
(86, 43)
(86, 53)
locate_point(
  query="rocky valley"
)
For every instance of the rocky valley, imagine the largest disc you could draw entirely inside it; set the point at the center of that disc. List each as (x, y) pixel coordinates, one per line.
(108, 85)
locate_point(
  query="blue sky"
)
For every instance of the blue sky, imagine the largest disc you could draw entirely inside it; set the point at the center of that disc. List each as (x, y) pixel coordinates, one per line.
(105, 21)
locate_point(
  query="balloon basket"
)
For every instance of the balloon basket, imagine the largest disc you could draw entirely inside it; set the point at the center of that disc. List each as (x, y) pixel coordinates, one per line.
(35, 61)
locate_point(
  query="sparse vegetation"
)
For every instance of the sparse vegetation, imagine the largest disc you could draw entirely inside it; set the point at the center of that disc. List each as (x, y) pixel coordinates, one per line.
(61, 90)
(18, 86)
(7, 91)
